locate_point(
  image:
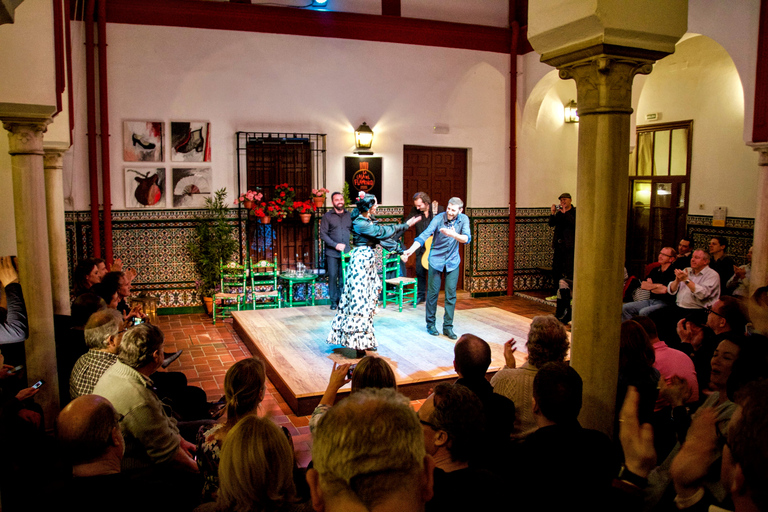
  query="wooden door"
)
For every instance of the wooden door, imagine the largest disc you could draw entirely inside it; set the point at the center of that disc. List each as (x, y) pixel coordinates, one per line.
(442, 174)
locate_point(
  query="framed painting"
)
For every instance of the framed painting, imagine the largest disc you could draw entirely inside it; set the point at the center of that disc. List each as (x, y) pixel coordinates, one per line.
(145, 187)
(190, 141)
(143, 141)
(191, 186)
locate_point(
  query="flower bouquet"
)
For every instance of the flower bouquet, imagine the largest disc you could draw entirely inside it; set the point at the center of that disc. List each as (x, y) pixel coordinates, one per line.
(249, 198)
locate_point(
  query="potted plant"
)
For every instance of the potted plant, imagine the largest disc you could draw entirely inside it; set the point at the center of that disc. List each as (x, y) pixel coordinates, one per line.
(318, 196)
(249, 198)
(213, 241)
(304, 209)
(261, 212)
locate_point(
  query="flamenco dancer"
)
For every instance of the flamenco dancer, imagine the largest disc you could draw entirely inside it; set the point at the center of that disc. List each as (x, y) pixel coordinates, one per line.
(352, 326)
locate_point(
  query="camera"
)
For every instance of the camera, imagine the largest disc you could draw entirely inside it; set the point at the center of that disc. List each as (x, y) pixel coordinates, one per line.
(558, 207)
(351, 369)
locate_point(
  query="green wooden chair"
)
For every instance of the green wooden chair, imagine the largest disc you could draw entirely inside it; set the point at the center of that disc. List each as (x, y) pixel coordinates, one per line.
(231, 297)
(264, 291)
(346, 257)
(396, 289)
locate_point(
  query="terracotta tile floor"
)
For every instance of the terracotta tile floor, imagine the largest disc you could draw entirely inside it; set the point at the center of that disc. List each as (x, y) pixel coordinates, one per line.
(209, 351)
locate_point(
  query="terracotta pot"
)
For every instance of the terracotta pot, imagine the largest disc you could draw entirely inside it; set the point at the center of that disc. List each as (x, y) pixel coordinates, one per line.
(247, 204)
(266, 219)
(208, 301)
(319, 201)
(305, 217)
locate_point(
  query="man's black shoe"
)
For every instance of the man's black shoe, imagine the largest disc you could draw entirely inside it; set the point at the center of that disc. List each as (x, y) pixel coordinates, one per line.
(431, 330)
(421, 300)
(334, 306)
(449, 332)
(171, 357)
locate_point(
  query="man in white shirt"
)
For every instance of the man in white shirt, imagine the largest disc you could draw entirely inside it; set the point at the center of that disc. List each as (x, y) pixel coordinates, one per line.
(696, 287)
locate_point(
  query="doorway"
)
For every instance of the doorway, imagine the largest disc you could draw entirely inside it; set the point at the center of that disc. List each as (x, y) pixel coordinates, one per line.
(659, 179)
(442, 174)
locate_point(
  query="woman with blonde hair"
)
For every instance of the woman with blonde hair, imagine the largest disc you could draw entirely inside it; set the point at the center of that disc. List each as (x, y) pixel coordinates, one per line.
(244, 388)
(256, 471)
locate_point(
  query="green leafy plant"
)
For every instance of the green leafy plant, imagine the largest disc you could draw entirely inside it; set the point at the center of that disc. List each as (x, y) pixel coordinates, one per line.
(345, 193)
(213, 241)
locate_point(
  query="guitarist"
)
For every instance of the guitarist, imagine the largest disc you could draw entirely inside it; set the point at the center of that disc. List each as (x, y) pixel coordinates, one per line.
(424, 207)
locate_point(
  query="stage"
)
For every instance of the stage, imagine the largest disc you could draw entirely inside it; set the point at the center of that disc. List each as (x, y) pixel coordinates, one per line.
(291, 341)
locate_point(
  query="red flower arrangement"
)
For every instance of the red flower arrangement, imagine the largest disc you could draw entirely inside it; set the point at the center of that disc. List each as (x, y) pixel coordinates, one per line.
(304, 207)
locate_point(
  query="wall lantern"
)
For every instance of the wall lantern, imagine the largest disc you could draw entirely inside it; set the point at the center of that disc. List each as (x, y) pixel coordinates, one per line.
(363, 140)
(571, 114)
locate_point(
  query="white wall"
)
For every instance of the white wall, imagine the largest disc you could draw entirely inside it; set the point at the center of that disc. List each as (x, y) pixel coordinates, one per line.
(700, 82)
(264, 82)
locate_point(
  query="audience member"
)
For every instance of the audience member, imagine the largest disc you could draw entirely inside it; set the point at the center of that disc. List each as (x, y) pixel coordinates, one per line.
(471, 359)
(154, 448)
(684, 253)
(699, 342)
(584, 455)
(370, 372)
(452, 420)
(738, 284)
(86, 274)
(656, 284)
(13, 322)
(636, 358)
(102, 336)
(368, 455)
(244, 387)
(720, 262)
(256, 470)
(547, 342)
(108, 292)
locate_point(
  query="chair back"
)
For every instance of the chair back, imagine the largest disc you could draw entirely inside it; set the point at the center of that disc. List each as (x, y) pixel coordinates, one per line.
(346, 257)
(263, 276)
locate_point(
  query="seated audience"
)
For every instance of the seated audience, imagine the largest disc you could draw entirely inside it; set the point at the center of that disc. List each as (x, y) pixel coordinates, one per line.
(368, 454)
(547, 342)
(256, 470)
(684, 253)
(370, 372)
(85, 275)
(244, 387)
(471, 359)
(720, 262)
(108, 292)
(452, 420)
(154, 448)
(102, 336)
(656, 284)
(636, 358)
(698, 341)
(119, 281)
(738, 284)
(582, 456)
(13, 322)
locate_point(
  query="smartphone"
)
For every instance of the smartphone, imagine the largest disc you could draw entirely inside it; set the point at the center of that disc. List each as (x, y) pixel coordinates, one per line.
(138, 320)
(37, 384)
(14, 371)
(351, 369)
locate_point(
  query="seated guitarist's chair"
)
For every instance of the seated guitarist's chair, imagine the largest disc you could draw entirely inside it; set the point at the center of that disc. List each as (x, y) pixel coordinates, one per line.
(346, 257)
(264, 292)
(232, 294)
(396, 289)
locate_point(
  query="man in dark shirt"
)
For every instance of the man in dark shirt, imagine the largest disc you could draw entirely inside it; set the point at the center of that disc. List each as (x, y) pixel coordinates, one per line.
(563, 219)
(684, 253)
(658, 279)
(720, 262)
(422, 206)
(335, 228)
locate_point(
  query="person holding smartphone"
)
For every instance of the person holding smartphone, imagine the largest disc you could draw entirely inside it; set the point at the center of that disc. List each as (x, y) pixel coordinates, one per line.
(13, 324)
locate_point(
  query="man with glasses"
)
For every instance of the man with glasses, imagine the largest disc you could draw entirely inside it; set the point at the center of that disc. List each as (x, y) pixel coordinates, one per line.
(656, 284)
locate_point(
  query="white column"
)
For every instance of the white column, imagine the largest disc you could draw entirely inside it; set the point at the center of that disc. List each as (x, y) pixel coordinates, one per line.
(759, 276)
(26, 125)
(57, 239)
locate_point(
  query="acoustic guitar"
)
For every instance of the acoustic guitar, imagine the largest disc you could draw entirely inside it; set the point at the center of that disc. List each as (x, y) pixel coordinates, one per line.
(428, 243)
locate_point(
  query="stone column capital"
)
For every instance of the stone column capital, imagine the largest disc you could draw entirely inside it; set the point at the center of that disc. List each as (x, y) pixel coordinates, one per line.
(604, 75)
(54, 153)
(26, 125)
(762, 149)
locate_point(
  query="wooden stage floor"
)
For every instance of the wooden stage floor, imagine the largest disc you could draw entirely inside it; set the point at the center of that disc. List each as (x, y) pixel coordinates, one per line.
(292, 343)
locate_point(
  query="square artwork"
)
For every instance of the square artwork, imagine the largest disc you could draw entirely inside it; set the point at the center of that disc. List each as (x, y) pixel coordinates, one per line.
(143, 141)
(191, 186)
(145, 188)
(190, 141)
